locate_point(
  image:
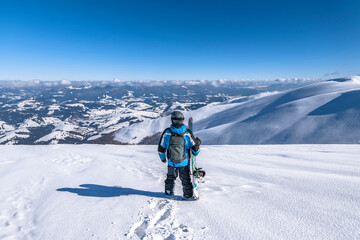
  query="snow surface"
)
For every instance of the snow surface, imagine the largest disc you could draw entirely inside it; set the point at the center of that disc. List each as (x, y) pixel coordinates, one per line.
(5, 127)
(325, 112)
(115, 192)
(61, 131)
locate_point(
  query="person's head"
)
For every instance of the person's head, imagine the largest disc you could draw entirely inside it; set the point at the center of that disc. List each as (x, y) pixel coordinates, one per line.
(177, 118)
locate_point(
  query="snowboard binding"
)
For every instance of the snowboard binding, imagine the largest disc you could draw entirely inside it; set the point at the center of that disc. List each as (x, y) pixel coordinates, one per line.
(198, 173)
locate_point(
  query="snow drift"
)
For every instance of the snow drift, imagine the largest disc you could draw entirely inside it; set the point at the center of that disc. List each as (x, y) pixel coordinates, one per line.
(325, 112)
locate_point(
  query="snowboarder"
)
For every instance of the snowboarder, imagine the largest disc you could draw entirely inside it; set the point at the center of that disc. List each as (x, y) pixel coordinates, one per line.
(177, 141)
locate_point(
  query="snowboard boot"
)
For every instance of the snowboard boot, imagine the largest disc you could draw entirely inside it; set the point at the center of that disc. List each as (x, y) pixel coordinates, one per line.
(187, 198)
(169, 192)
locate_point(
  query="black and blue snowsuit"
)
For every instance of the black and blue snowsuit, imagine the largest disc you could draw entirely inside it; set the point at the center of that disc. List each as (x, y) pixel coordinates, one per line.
(182, 168)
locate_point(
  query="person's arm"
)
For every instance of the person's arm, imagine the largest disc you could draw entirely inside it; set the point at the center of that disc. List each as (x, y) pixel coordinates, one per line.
(195, 143)
(163, 145)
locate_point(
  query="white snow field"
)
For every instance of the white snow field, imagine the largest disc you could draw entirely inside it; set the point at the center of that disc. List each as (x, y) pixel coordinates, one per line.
(327, 112)
(115, 192)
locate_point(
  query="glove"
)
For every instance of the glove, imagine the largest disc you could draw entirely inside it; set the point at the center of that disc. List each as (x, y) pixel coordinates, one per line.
(164, 161)
(198, 141)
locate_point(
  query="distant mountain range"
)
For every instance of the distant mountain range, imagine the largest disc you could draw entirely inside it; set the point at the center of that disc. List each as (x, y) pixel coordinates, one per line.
(75, 112)
(324, 112)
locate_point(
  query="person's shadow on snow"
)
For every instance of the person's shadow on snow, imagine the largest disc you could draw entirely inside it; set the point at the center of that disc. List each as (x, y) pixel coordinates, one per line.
(94, 190)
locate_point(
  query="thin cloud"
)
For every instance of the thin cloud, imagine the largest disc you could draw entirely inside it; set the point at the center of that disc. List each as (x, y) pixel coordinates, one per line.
(336, 73)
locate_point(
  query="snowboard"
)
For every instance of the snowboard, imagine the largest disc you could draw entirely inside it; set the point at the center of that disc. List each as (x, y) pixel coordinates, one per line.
(195, 172)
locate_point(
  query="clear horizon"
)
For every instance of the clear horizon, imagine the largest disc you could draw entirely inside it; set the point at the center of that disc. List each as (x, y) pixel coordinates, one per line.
(187, 40)
(111, 80)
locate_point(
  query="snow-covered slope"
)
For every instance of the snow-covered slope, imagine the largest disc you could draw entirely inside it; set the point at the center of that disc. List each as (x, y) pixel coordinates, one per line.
(115, 192)
(51, 112)
(325, 112)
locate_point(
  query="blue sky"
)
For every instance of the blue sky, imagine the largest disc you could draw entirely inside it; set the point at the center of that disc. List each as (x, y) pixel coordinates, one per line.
(178, 39)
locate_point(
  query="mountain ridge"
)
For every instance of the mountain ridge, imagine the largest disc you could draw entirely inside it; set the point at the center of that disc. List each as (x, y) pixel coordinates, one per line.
(78, 112)
(325, 112)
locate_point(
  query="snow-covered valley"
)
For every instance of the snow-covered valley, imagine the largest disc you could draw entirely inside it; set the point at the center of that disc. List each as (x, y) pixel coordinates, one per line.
(65, 112)
(115, 192)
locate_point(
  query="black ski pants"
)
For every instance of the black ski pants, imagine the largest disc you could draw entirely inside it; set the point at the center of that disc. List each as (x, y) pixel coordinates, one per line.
(184, 172)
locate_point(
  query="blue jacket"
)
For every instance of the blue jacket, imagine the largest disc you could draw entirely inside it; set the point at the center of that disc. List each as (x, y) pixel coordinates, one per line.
(189, 142)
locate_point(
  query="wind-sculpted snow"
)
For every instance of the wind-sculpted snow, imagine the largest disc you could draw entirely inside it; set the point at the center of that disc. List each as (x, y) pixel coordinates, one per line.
(116, 192)
(325, 112)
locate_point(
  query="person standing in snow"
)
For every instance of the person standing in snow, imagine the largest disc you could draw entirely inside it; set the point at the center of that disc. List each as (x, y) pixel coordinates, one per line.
(175, 144)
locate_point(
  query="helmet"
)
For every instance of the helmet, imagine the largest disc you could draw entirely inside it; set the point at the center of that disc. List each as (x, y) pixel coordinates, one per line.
(177, 118)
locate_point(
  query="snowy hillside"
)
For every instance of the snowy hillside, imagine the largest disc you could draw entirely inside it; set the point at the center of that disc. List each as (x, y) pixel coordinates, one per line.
(325, 112)
(51, 112)
(115, 192)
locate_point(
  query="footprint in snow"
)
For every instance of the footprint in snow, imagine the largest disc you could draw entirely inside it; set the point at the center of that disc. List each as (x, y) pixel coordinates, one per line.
(159, 222)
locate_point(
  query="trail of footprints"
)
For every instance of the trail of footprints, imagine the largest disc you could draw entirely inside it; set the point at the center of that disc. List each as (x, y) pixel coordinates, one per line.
(158, 222)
